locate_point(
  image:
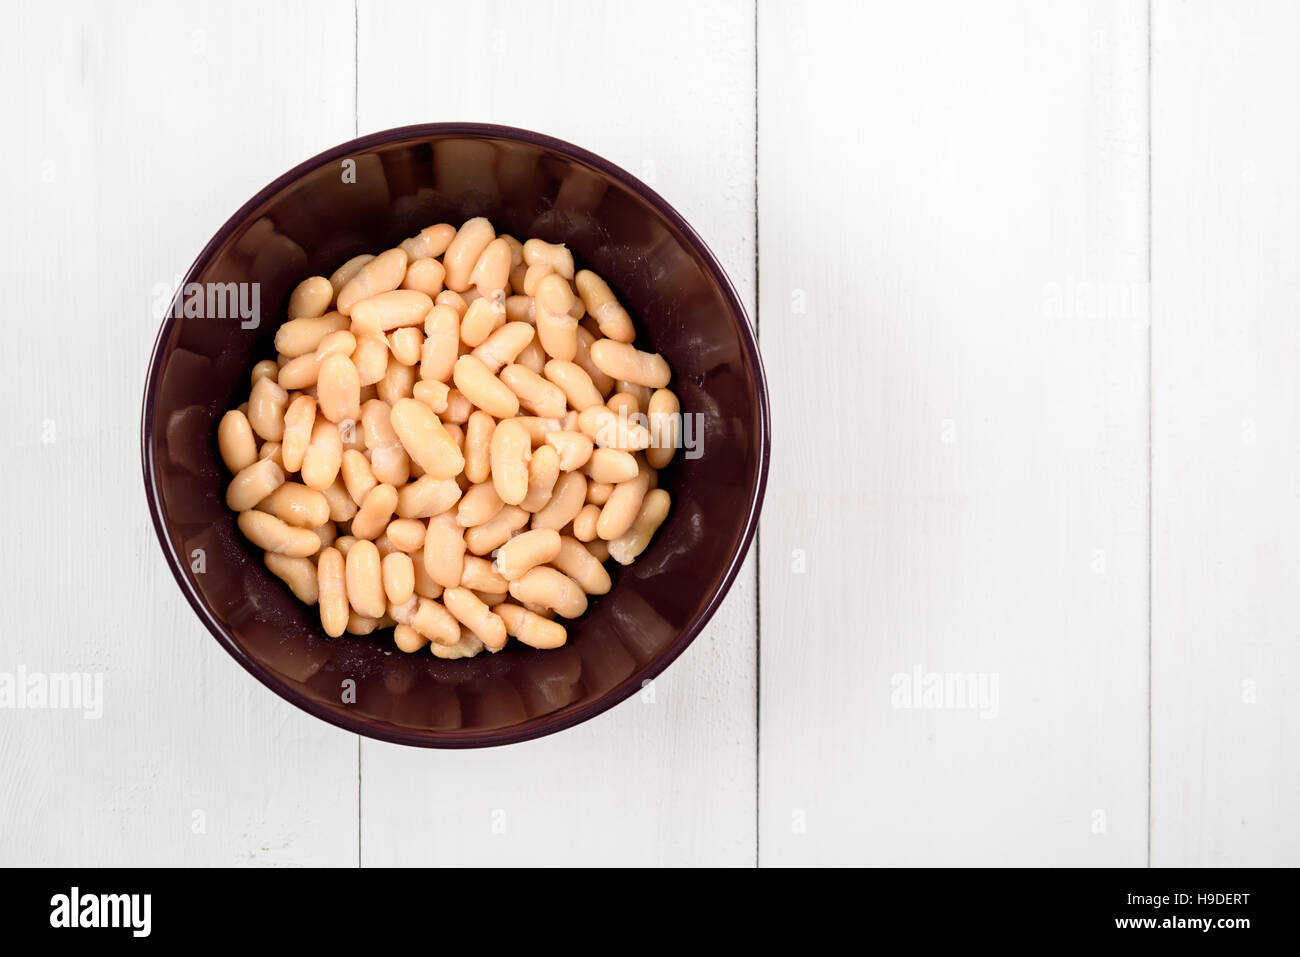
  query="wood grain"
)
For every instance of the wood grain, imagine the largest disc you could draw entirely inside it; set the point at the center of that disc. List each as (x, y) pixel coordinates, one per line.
(1226, 532)
(959, 481)
(138, 131)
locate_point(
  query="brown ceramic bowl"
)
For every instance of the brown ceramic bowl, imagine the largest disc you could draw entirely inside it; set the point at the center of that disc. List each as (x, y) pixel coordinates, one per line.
(308, 222)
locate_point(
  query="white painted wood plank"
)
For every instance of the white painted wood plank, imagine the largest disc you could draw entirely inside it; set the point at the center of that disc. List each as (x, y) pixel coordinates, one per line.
(1226, 532)
(667, 93)
(135, 131)
(959, 480)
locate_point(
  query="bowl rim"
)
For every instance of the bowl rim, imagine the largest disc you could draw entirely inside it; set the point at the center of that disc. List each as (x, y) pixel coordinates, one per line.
(384, 731)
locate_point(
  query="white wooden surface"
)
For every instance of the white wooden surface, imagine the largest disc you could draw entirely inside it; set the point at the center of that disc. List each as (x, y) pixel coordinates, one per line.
(989, 458)
(1226, 459)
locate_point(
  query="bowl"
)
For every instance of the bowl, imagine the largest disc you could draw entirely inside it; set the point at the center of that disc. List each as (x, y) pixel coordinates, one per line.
(365, 196)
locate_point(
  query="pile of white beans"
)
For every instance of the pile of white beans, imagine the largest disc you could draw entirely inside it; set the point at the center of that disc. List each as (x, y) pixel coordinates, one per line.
(453, 439)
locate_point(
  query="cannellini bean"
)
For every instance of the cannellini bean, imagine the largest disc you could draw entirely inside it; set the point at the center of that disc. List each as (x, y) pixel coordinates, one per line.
(300, 373)
(610, 430)
(526, 550)
(482, 318)
(408, 639)
(543, 472)
(476, 382)
(534, 276)
(601, 305)
(622, 360)
(602, 382)
(566, 502)
(405, 344)
(432, 393)
(382, 274)
(361, 624)
(310, 298)
(357, 476)
(342, 342)
(271, 534)
(266, 369)
(470, 611)
(425, 275)
(481, 539)
(537, 428)
(390, 310)
(584, 523)
(342, 507)
(441, 343)
(398, 383)
(444, 550)
(371, 359)
(627, 547)
(576, 561)
(478, 505)
(327, 533)
(492, 270)
(344, 274)
(298, 505)
(338, 389)
(433, 621)
(531, 628)
(364, 580)
(302, 336)
(403, 612)
(453, 299)
(252, 484)
(557, 331)
(406, 534)
(534, 393)
(430, 241)
(555, 255)
(299, 418)
(464, 250)
(574, 448)
(510, 451)
(271, 450)
(579, 391)
(598, 492)
(266, 405)
(618, 514)
(477, 448)
(235, 441)
(520, 308)
(425, 586)
(551, 589)
(298, 573)
(425, 440)
(458, 408)
(481, 577)
(345, 542)
(426, 497)
(664, 414)
(332, 587)
(376, 512)
(503, 345)
(468, 646)
(533, 356)
(624, 404)
(324, 456)
(611, 466)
